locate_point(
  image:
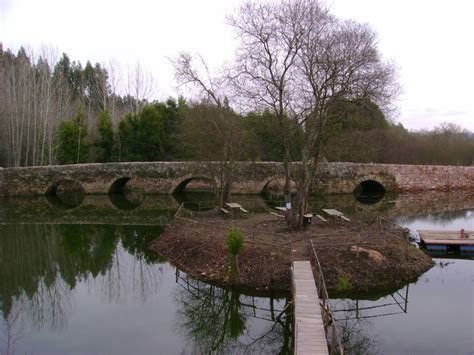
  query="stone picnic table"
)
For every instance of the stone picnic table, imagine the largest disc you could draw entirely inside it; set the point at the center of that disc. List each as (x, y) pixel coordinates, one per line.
(235, 208)
(335, 214)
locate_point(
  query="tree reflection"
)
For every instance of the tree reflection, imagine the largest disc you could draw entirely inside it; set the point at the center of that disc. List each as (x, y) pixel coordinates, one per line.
(29, 273)
(353, 320)
(40, 265)
(442, 218)
(13, 328)
(353, 331)
(217, 320)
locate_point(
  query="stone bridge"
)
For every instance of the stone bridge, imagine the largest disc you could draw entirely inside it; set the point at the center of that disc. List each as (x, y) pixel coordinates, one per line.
(249, 177)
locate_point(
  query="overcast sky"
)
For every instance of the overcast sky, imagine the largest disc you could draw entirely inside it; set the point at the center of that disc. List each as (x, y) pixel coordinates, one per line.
(430, 41)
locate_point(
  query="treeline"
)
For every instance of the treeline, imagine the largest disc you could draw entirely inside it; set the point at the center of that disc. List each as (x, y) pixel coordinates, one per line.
(447, 144)
(63, 113)
(43, 100)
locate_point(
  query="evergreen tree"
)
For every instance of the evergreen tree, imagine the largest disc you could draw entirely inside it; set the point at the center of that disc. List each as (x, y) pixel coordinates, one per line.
(361, 115)
(73, 143)
(105, 144)
(263, 138)
(142, 136)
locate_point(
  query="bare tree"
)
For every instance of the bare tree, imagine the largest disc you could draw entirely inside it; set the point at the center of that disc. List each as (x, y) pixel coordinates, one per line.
(295, 59)
(214, 121)
(115, 81)
(141, 85)
(32, 103)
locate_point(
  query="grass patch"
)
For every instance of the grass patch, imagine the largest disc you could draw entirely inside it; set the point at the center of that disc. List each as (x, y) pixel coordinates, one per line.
(343, 285)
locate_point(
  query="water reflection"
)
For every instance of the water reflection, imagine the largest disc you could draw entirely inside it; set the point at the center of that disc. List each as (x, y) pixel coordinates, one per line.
(420, 318)
(65, 201)
(196, 201)
(444, 220)
(391, 205)
(42, 264)
(223, 321)
(14, 328)
(127, 200)
(369, 199)
(429, 321)
(94, 209)
(354, 316)
(137, 208)
(449, 221)
(369, 192)
(62, 269)
(59, 282)
(355, 337)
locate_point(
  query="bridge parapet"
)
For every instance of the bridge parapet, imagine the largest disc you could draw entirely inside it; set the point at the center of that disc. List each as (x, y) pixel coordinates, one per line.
(249, 177)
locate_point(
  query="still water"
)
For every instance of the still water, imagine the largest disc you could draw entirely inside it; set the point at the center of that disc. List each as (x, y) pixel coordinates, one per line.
(76, 277)
(95, 289)
(434, 315)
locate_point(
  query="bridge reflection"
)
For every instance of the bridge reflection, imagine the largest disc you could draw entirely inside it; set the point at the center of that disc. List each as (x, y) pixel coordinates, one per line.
(138, 208)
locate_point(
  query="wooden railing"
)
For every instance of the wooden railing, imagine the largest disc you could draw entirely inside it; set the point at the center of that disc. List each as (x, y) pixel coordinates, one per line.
(385, 225)
(329, 321)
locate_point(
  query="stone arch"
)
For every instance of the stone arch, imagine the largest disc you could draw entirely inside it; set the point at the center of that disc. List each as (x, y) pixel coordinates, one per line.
(182, 185)
(118, 186)
(122, 197)
(65, 194)
(369, 185)
(269, 184)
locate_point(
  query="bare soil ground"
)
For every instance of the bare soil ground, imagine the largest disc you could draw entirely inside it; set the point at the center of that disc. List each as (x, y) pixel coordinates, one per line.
(370, 256)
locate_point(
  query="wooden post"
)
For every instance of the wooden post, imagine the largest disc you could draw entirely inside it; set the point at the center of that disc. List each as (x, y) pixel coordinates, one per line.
(358, 245)
(271, 308)
(406, 300)
(333, 338)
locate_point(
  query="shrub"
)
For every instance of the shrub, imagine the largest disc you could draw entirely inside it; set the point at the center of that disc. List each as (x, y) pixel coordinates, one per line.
(343, 285)
(235, 241)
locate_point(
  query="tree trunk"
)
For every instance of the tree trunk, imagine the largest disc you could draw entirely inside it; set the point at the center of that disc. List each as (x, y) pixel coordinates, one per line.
(290, 217)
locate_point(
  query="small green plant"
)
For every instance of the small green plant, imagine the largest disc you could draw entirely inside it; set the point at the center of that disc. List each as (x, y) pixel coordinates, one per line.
(343, 285)
(235, 241)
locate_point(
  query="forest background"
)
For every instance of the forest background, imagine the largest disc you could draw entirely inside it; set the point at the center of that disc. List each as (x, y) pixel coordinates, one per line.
(61, 112)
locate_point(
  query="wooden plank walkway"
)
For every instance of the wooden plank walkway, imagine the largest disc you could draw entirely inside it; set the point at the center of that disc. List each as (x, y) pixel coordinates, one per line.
(310, 336)
(438, 237)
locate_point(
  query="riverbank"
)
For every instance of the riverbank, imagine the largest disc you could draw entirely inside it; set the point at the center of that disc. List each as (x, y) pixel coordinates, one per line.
(355, 256)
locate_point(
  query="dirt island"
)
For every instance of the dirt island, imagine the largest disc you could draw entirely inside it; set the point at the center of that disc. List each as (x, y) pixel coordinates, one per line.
(356, 256)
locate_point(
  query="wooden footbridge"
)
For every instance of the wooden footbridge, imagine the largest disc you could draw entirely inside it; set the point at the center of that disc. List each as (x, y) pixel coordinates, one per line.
(315, 327)
(445, 240)
(310, 335)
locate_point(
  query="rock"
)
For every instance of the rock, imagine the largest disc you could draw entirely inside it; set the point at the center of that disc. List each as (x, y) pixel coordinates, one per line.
(376, 256)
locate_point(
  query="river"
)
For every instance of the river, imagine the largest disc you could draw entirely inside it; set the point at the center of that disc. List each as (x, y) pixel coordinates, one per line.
(76, 277)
